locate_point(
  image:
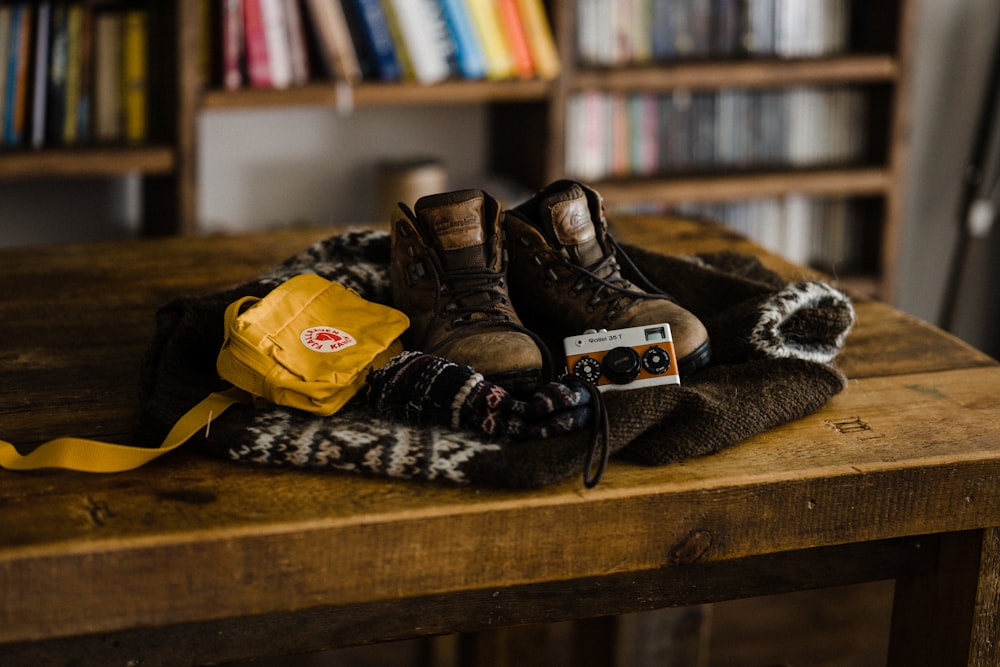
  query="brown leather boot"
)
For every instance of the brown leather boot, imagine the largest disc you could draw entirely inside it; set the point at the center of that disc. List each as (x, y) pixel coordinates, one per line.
(448, 273)
(565, 276)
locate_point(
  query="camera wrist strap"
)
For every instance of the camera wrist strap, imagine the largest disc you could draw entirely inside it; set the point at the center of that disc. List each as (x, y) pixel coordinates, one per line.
(96, 456)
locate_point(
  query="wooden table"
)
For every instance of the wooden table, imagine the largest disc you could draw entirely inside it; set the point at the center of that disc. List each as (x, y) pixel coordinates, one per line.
(191, 559)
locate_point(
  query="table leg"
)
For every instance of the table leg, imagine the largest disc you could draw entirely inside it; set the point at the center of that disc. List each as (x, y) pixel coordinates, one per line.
(986, 622)
(951, 617)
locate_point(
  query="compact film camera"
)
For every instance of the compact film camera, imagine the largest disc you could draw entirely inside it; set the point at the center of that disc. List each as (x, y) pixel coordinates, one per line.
(623, 358)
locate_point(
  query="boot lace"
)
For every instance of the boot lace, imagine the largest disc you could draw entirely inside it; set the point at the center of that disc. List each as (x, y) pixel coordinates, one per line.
(471, 292)
(479, 291)
(599, 447)
(610, 288)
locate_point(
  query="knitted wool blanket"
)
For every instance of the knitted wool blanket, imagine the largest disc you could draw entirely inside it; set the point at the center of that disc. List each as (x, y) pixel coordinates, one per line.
(773, 343)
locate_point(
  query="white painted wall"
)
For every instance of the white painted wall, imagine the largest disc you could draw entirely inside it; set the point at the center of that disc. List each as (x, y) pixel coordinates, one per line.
(264, 168)
(955, 39)
(47, 211)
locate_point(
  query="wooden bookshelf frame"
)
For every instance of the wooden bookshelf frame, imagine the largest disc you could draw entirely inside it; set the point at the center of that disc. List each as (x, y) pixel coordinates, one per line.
(732, 186)
(770, 73)
(379, 94)
(75, 162)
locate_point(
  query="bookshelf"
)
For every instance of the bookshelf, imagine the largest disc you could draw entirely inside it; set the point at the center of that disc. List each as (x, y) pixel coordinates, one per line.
(143, 143)
(530, 126)
(874, 61)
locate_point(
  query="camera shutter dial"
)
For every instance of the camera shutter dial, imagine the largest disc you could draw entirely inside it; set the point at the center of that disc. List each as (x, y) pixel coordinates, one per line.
(587, 368)
(621, 365)
(655, 360)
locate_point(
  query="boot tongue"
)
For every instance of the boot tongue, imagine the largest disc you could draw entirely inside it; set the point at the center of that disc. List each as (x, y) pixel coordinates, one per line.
(454, 225)
(572, 226)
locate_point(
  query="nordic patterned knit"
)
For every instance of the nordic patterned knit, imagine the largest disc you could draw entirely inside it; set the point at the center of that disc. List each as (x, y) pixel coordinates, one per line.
(773, 342)
(423, 388)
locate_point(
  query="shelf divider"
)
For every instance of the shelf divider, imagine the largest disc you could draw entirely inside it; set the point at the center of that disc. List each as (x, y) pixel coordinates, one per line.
(77, 162)
(741, 73)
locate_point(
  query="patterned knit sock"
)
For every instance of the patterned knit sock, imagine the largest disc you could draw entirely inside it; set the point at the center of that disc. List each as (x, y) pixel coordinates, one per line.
(420, 388)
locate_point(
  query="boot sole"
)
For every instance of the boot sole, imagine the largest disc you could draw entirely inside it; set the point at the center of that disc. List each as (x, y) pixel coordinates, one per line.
(696, 360)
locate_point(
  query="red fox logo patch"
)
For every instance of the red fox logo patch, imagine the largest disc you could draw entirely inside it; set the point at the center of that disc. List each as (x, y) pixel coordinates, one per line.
(326, 339)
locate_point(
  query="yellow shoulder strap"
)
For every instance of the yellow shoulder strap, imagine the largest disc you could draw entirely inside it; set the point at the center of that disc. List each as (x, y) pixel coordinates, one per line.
(96, 456)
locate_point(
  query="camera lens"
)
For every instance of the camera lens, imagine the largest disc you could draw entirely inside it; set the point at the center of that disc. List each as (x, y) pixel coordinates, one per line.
(621, 365)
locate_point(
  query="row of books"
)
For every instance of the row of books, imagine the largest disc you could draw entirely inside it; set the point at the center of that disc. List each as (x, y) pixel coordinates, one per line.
(72, 73)
(614, 33)
(628, 134)
(827, 234)
(282, 43)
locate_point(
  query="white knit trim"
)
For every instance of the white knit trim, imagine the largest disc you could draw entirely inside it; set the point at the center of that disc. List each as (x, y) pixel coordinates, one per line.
(460, 396)
(768, 337)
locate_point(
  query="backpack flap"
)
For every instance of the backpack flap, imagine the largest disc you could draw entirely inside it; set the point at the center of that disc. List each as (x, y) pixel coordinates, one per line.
(309, 344)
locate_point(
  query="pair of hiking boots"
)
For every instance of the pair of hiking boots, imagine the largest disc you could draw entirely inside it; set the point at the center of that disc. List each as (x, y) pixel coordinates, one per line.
(459, 265)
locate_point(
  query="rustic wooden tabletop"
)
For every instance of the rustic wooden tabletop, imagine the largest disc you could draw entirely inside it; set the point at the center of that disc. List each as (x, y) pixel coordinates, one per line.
(896, 477)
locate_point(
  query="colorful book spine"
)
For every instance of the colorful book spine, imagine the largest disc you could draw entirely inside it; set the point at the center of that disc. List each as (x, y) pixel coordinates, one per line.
(347, 56)
(421, 39)
(85, 74)
(485, 18)
(39, 86)
(662, 31)
(297, 50)
(17, 74)
(619, 139)
(255, 36)
(279, 55)
(55, 116)
(135, 76)
(86, 84)
(441, 36)
(5, 19)
(544, 54)
(376, 25)
(469, 52)
(233, 45)
(396, 32)
(362, 44)
(806, 126)
(325, 61)
(638, 22)
(107, 77)
(71, 103)
(515, 38)
(333, 35)
(618, 32)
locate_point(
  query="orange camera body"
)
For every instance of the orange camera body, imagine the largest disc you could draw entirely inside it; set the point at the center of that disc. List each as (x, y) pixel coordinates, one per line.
(629, 358)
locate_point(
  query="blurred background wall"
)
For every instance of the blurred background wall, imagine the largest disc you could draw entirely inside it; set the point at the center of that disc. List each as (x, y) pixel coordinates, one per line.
(955, 42)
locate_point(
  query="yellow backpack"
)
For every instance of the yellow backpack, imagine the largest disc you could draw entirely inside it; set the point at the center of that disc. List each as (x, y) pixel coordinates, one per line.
(309, 344)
